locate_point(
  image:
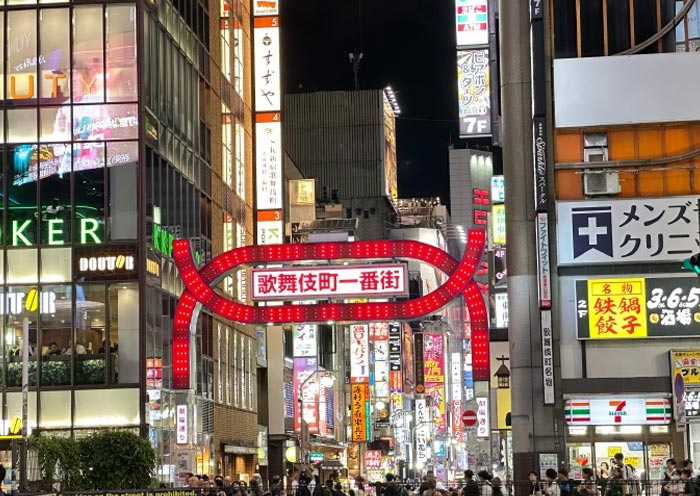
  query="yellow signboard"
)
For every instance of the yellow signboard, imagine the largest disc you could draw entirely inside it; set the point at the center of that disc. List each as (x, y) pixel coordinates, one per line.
(617, 308)
(687, 364)
(498, 224)
(614, 450)
(632, 460)
(358, 410)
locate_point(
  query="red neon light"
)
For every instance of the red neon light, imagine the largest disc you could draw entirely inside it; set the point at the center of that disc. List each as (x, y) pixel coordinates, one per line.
(198, 288)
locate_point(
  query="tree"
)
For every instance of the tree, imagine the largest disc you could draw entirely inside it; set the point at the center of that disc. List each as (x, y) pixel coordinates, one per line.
(115, 459)
(59, 461)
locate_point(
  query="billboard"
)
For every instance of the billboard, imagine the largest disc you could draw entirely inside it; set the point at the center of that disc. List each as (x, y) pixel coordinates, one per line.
(390, 163)
(330, 282)
(359, 412)
(498, 224)
(474, 93)
(618, 411)
(472, 22)
(433, 358)
(422, 430)
(266, 7)
(305, 394)
(685, 368)
(631, 230)
(638, 307)
(268, 161)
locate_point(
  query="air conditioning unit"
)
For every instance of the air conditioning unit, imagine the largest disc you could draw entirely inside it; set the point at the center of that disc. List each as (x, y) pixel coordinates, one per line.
(604, 183)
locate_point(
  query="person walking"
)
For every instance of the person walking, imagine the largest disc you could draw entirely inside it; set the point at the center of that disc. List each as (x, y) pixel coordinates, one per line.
(485, 483)
(534, 489)
(471, 488)
(588, 485)
(550, 486)
(616, 485)
(496, 487)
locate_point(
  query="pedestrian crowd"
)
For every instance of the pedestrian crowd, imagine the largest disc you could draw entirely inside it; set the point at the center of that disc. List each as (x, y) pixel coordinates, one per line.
(226, 486)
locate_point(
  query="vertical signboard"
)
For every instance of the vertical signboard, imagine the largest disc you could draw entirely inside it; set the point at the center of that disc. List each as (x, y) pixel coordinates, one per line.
(544, 287)
(547, 357)
(539, 139)
(359, 395)
(304, 340)
(474, 93)
(482, 417)
(181, 424)
(268, 124)
(359, 353)
(422, 430)
(305, 394)
(419, 365)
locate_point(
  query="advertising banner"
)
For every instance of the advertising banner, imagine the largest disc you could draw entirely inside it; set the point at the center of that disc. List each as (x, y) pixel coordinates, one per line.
(632, 230)
(306, 398)
(395, 357)
(618, 411)
(539, 143)
(419, 365)
(379, 331)
(638, 307)
(472, 22)
(433, 358)
(544, 277)
(685, 377)
(436, 392)
(498, 189)
(359, 406)
(457, 427)
(408, 351)
(266, 7)
(330, 282)
(498, 224)
(500, 271)
(474, 93)
(359, 353)
(304, 340)
(373, 459)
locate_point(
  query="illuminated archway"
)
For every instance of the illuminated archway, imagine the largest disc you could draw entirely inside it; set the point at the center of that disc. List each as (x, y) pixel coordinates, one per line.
(199, 290)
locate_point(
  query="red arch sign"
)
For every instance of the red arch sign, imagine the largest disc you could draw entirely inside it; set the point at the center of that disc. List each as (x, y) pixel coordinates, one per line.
(198, 284)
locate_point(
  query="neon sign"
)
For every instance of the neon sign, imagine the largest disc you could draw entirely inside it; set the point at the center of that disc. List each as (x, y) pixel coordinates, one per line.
(15, 303)
(199, 290)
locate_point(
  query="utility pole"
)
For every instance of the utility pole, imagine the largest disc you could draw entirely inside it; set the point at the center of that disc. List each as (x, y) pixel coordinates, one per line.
(25, 399)
(533, 423)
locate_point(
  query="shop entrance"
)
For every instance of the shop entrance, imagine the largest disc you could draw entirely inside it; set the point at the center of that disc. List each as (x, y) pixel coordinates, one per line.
(645, 449)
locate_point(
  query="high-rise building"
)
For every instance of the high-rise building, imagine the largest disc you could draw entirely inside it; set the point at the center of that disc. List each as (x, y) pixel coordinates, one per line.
(127, 125)
(346, 140)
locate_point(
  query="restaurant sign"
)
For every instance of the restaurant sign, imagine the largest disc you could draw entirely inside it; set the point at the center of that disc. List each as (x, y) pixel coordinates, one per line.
(637, 308)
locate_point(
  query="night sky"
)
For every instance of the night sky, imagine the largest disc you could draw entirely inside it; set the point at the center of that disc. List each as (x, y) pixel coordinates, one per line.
(408, 44)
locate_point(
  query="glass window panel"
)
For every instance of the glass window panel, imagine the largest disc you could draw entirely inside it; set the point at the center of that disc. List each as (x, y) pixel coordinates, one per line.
(121, 53)
(55, 409)
(90, 332)
(54, 56)
(105, 122)
(13, 307)
(22, 195)
(55, 194)
(56, 317)
(122, 152)
(107, 407)
(87, 156)
(55, 124)
(56, 265)
(88, 54)
(22, 55)
(21, 125)
(124, 330)
(123, 202)
(89, 206)
(22, 266)
(14, 408)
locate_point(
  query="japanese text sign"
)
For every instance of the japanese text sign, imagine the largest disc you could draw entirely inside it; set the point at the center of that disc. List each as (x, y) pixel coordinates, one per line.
(436, 392)
(268, 160)
(547, 357)
(685, 367)
(373, 459)
(304, 340)
(687, 364)
(330, 282)
(474, 92)
(634, 230)
(359, 353)
(544, 279)
(422, 430)
(433, 358)
(305, 394)
(638, 308)
(472, 24)
(482, 417)
(265, 7)
(498, 224)
(395, 348)
(358, 411)
(182, 423)
(266, 41)
(379, 331)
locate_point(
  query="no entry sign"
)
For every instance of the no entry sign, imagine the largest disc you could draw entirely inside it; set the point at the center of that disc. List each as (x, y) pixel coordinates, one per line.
(469, 418)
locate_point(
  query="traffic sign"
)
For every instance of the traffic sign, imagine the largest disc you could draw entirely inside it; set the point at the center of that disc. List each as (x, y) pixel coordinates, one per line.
(469, 418)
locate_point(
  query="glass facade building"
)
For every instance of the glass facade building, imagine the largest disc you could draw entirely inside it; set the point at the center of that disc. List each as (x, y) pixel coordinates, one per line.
(124, 126)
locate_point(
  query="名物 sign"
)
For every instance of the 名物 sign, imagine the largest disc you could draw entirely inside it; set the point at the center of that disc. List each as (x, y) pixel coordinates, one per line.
(638, 308)
(330, 282)
(618, 411)
(632, 230)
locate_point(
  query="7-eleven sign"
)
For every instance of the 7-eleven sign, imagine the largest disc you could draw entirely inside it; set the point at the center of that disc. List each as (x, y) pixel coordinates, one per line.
(618, 411)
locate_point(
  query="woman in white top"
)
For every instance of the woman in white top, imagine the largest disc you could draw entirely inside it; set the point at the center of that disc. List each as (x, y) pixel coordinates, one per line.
(485, 483)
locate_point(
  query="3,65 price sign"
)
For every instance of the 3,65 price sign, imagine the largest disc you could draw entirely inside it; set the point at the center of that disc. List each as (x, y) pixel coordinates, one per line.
(638, 308)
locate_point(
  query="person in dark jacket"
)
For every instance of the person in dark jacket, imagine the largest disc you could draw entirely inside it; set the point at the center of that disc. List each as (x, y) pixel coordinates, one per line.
(471, 488)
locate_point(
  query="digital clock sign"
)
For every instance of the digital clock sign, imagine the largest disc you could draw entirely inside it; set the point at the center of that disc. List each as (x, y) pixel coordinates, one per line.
(639, 307)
